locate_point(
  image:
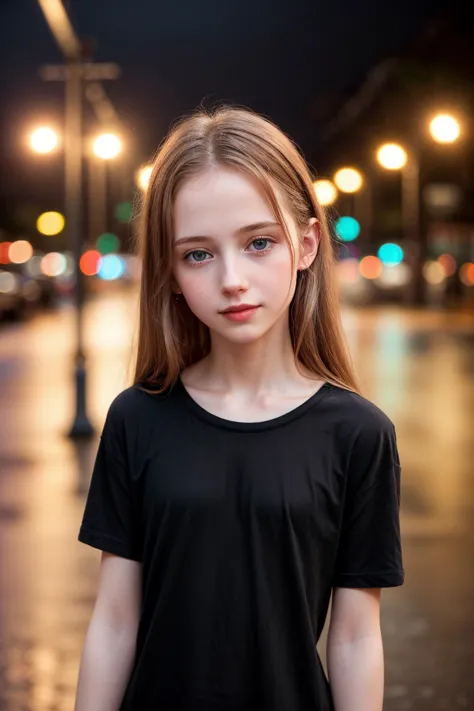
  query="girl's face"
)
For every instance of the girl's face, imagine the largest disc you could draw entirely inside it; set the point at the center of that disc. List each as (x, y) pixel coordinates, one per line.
(229, 251)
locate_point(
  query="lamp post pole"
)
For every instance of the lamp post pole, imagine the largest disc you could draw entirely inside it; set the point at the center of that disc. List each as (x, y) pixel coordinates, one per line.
(81, 426)
(75, 72)
(414, 223)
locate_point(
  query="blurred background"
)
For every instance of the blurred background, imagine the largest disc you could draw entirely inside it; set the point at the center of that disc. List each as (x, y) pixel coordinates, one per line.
(380, 98)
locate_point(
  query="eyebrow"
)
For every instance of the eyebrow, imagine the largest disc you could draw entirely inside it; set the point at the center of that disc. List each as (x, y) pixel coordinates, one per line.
(242, 230)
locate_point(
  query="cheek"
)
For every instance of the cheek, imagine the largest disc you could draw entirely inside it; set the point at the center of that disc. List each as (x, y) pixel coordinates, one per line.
(196, 288)
(278, 275)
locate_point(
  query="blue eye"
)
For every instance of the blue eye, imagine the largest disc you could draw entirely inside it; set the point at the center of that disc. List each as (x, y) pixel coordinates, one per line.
(260, 243)
(198, 255)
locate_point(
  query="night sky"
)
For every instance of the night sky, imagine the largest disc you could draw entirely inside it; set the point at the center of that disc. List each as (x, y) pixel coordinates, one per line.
(279, 58)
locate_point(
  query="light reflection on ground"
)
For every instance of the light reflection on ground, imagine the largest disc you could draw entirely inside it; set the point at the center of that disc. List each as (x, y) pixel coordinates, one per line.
(417, 367)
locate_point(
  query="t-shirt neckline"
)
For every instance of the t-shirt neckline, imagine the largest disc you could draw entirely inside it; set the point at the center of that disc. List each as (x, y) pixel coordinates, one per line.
(278, 421)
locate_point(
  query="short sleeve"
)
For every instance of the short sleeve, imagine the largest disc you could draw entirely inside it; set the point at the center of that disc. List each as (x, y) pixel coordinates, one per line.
(109, 519)
(369, 552)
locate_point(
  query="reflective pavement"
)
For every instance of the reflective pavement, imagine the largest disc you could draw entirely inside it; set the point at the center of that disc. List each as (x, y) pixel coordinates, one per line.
(418, 367)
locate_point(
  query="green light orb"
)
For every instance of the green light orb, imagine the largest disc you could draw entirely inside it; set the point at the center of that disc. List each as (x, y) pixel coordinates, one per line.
(123, 211)
(108, 243)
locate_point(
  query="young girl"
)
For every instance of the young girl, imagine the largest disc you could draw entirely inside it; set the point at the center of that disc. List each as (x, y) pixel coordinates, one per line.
(242, 479)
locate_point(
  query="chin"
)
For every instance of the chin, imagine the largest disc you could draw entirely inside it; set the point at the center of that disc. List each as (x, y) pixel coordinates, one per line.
(243, 334)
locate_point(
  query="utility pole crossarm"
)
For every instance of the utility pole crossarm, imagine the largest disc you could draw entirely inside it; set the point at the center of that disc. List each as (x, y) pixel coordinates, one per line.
(61, 28)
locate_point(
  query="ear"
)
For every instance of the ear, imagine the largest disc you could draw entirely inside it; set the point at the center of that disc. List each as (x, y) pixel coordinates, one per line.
(309, 244)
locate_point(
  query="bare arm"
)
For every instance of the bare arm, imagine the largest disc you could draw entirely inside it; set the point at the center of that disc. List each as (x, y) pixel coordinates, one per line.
(109, 647)
(355, 650)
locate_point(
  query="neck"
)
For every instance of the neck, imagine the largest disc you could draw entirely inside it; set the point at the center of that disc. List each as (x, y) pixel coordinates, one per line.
(262, 366)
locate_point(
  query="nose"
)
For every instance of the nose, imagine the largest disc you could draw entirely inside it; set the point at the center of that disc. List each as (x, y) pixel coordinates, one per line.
(233, 278)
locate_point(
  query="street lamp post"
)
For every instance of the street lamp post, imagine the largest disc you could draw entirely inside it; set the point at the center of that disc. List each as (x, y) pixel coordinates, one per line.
(81, 426)
(444, 129)
(75, 73)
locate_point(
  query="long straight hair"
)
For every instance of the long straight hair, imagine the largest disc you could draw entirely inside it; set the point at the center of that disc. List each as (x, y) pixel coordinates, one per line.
(170, 337)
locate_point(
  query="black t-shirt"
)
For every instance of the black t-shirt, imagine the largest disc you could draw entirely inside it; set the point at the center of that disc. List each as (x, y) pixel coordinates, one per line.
(242, 530)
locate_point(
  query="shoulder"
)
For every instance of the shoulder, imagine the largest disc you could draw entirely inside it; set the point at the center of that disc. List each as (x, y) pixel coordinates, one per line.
(132, 405)
(364, 435)
(355, 418)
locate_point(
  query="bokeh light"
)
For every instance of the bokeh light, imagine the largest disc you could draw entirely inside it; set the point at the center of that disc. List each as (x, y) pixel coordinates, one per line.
(390, 253)
(4, 251)
(444, 128)
(448, 263)
(70, 265)
(20, 251)
(111, 267)
(348, 180)
(107, 146)
(466, 274)
(143, 175)
(107, 243)
(348, 271)
(9, 283)
(434, 272)
(53, 264)
(50, 223)
(394, 276)
(326, 191)
(123, 211)
(347, 228)
(370, 267)
(34, 265)
(392, 156)
(43, 140)
(89, 262)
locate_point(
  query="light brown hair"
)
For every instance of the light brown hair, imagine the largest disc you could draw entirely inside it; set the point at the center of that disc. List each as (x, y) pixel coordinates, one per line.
(170, 337)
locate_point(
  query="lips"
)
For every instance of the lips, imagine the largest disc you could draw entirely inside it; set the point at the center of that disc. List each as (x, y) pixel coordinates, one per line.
(240, 307)
(240, 313)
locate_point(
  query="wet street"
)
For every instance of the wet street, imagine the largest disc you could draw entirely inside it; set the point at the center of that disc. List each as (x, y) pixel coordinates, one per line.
(418, 367)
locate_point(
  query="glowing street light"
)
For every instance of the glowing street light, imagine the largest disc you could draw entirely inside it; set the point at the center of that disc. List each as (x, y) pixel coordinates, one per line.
(444, 128)
(43, 140)
(107, 146)
(143, 175)
(392, 156)
(326, 191)
(348, 180)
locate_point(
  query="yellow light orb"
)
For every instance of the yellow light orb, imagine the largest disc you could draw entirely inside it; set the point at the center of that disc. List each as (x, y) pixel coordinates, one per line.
(44, 140)
(348, 180)
(50, 223)
(444, 128)
(391, 156)
(143, 176)
(326, 191)
(20, 251)
(107, 146)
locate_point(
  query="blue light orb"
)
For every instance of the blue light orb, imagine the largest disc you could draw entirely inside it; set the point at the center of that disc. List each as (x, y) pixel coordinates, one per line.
(390, 254)
(347, 228)
(111, 267)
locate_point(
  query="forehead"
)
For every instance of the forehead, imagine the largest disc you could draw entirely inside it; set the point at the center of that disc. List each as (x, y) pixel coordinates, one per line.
(222, 199)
